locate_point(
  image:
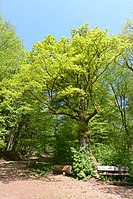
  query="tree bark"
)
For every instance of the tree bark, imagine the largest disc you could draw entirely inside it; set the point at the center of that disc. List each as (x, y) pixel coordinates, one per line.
(84, 139)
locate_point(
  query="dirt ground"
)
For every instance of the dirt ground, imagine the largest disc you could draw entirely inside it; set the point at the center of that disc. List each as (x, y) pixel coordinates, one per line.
(14, 184)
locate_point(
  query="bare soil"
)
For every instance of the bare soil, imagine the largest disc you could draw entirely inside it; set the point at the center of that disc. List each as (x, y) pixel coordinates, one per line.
(15, 183)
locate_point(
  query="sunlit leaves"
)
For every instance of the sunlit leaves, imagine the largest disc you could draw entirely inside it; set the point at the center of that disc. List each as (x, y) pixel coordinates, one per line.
(11, 50)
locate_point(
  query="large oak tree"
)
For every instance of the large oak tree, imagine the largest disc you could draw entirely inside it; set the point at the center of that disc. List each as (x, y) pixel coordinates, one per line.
(65, 76)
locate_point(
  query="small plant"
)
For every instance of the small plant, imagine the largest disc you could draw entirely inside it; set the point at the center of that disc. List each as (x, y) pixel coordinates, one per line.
(102, 179)
(82, 164)
(41, 168)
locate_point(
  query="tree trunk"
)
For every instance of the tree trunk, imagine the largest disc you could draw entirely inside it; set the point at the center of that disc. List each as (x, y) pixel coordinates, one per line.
(84, 139)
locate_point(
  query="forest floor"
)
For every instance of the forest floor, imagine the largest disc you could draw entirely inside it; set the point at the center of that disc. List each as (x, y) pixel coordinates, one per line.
(15, 183)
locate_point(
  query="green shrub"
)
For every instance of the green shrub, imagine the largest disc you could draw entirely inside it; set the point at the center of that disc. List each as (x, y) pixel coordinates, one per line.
(41, 168)
(110, 155)
(82, 164)
(104, 154)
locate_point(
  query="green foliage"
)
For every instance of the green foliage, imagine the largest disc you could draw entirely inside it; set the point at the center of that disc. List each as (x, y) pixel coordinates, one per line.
(111, 130)
(11, 50)
(2, 144)
(65, 76)
(98, 130)
(82, 164)
(38, 136)
(11, 56)
(112, 155)
(127, 34)
(104, 154)
(65, 137)
(40, 168)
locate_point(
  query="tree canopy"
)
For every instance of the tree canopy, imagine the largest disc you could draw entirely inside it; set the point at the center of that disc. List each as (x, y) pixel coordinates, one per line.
(65, 76)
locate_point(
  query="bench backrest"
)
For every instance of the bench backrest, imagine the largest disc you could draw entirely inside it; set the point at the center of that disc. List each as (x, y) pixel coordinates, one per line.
(112, 168)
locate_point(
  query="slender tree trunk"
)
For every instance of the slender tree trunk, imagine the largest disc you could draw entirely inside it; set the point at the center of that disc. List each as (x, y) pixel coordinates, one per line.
(10, 143)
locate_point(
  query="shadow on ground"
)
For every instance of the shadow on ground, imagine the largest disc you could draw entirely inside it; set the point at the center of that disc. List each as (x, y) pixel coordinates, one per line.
(14, 170)
(124, 190)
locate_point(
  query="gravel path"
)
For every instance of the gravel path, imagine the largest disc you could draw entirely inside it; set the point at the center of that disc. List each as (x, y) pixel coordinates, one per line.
(15, 185)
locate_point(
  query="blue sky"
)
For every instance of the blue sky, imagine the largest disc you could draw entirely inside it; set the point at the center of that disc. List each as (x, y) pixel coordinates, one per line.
(34, 19)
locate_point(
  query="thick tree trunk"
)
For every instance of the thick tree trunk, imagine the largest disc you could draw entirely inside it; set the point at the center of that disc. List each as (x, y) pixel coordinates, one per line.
(84, 139)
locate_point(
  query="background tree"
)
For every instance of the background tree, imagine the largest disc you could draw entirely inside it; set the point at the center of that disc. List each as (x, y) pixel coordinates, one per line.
(11, 55)
(127, 34)
(11, 50)
(112, 134)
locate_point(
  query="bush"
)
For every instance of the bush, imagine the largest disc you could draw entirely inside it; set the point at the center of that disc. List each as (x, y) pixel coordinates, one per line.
(104, 154)
(82, 164)
(110, 155)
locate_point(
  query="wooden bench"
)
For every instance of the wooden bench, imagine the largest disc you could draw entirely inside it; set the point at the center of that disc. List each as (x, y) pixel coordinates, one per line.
(113, 171)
